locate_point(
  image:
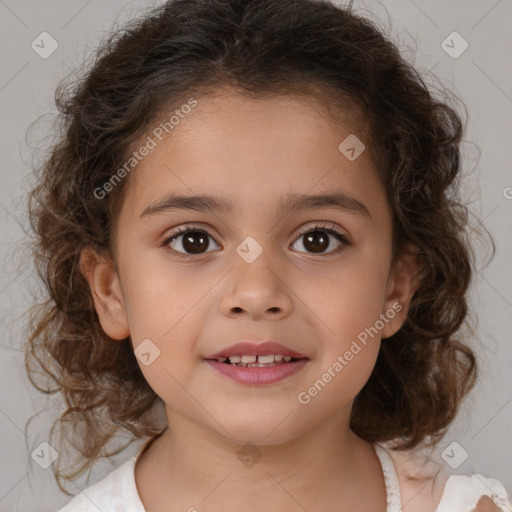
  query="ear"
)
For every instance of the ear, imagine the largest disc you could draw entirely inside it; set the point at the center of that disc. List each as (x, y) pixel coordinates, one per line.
(403, 282)
(106, 292)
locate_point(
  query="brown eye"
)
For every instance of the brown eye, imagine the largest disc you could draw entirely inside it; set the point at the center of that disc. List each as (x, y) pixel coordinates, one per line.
(189, 241)
(318, 239)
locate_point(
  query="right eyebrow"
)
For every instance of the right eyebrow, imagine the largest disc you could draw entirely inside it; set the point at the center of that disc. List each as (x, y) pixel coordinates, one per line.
(186, 202)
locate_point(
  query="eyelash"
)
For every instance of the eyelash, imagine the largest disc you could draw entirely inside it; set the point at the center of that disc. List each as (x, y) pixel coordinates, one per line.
(327, 228)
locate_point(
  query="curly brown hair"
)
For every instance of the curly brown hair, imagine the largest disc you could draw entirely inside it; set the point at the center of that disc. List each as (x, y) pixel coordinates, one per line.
(258, 47)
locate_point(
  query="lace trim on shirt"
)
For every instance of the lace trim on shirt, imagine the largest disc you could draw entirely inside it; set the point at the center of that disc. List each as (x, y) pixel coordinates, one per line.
(393, 497)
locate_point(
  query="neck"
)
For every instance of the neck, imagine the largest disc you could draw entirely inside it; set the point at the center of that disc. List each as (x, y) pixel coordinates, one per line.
(326, 464)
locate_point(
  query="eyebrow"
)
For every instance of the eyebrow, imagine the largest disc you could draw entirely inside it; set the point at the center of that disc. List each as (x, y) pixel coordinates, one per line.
(290, 203)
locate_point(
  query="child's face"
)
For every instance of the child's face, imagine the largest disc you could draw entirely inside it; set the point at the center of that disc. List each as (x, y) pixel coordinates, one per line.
(255, 153)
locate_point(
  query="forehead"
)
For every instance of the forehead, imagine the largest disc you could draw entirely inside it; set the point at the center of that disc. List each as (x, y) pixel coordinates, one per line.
(253, 150)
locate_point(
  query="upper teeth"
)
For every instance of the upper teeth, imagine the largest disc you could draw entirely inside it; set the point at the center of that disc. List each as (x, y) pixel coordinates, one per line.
(252, 359)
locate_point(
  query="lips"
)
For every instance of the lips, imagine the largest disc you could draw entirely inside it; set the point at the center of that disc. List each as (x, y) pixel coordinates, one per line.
(264, 348)
(254, 363)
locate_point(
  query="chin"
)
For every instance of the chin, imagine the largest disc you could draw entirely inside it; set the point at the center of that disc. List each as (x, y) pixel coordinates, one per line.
(272, 431)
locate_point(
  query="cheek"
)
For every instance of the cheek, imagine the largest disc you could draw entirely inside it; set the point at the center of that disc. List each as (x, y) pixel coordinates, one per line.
(174, 385)
(347, 355)
(345, 298)
(347, 304)
(160, 299)
(162, 311)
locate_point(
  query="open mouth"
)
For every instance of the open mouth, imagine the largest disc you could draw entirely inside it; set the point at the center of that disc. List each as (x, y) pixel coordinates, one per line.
(258, 370)
(257, 361)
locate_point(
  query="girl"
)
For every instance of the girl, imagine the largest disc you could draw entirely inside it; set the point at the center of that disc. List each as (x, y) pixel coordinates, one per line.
(256, 260)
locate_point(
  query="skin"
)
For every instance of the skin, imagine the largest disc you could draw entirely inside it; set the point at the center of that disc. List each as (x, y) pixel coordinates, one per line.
(254, 151)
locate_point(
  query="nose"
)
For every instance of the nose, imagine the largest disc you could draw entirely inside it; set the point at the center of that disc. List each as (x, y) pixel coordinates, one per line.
(257, 290)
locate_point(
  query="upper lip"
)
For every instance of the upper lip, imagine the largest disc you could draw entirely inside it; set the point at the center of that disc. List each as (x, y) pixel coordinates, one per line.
(263, 348)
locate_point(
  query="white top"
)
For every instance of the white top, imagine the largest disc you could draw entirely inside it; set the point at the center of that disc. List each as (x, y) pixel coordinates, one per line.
(117, 492)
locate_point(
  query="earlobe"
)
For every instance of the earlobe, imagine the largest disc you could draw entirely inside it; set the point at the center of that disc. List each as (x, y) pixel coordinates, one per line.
(403, 282)
(106, 292)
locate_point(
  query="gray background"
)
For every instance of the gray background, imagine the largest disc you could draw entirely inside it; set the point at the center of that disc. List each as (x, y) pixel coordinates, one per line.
(480, 77)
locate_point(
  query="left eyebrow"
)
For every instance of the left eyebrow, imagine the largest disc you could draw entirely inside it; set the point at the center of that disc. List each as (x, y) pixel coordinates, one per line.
(290, 203)
(336, 199)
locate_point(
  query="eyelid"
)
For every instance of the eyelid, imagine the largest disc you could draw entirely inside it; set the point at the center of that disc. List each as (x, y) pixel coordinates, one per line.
(314, 224)
(331, 228)
(322, 225)
(181, 229)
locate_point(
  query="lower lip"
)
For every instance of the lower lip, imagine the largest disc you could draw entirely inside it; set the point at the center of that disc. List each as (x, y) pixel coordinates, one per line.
(258, 375)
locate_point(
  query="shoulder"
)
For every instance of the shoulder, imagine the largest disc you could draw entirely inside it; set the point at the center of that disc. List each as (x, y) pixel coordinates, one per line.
(475, 493)
(117, 491)
(426, 487)
(485, 504)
